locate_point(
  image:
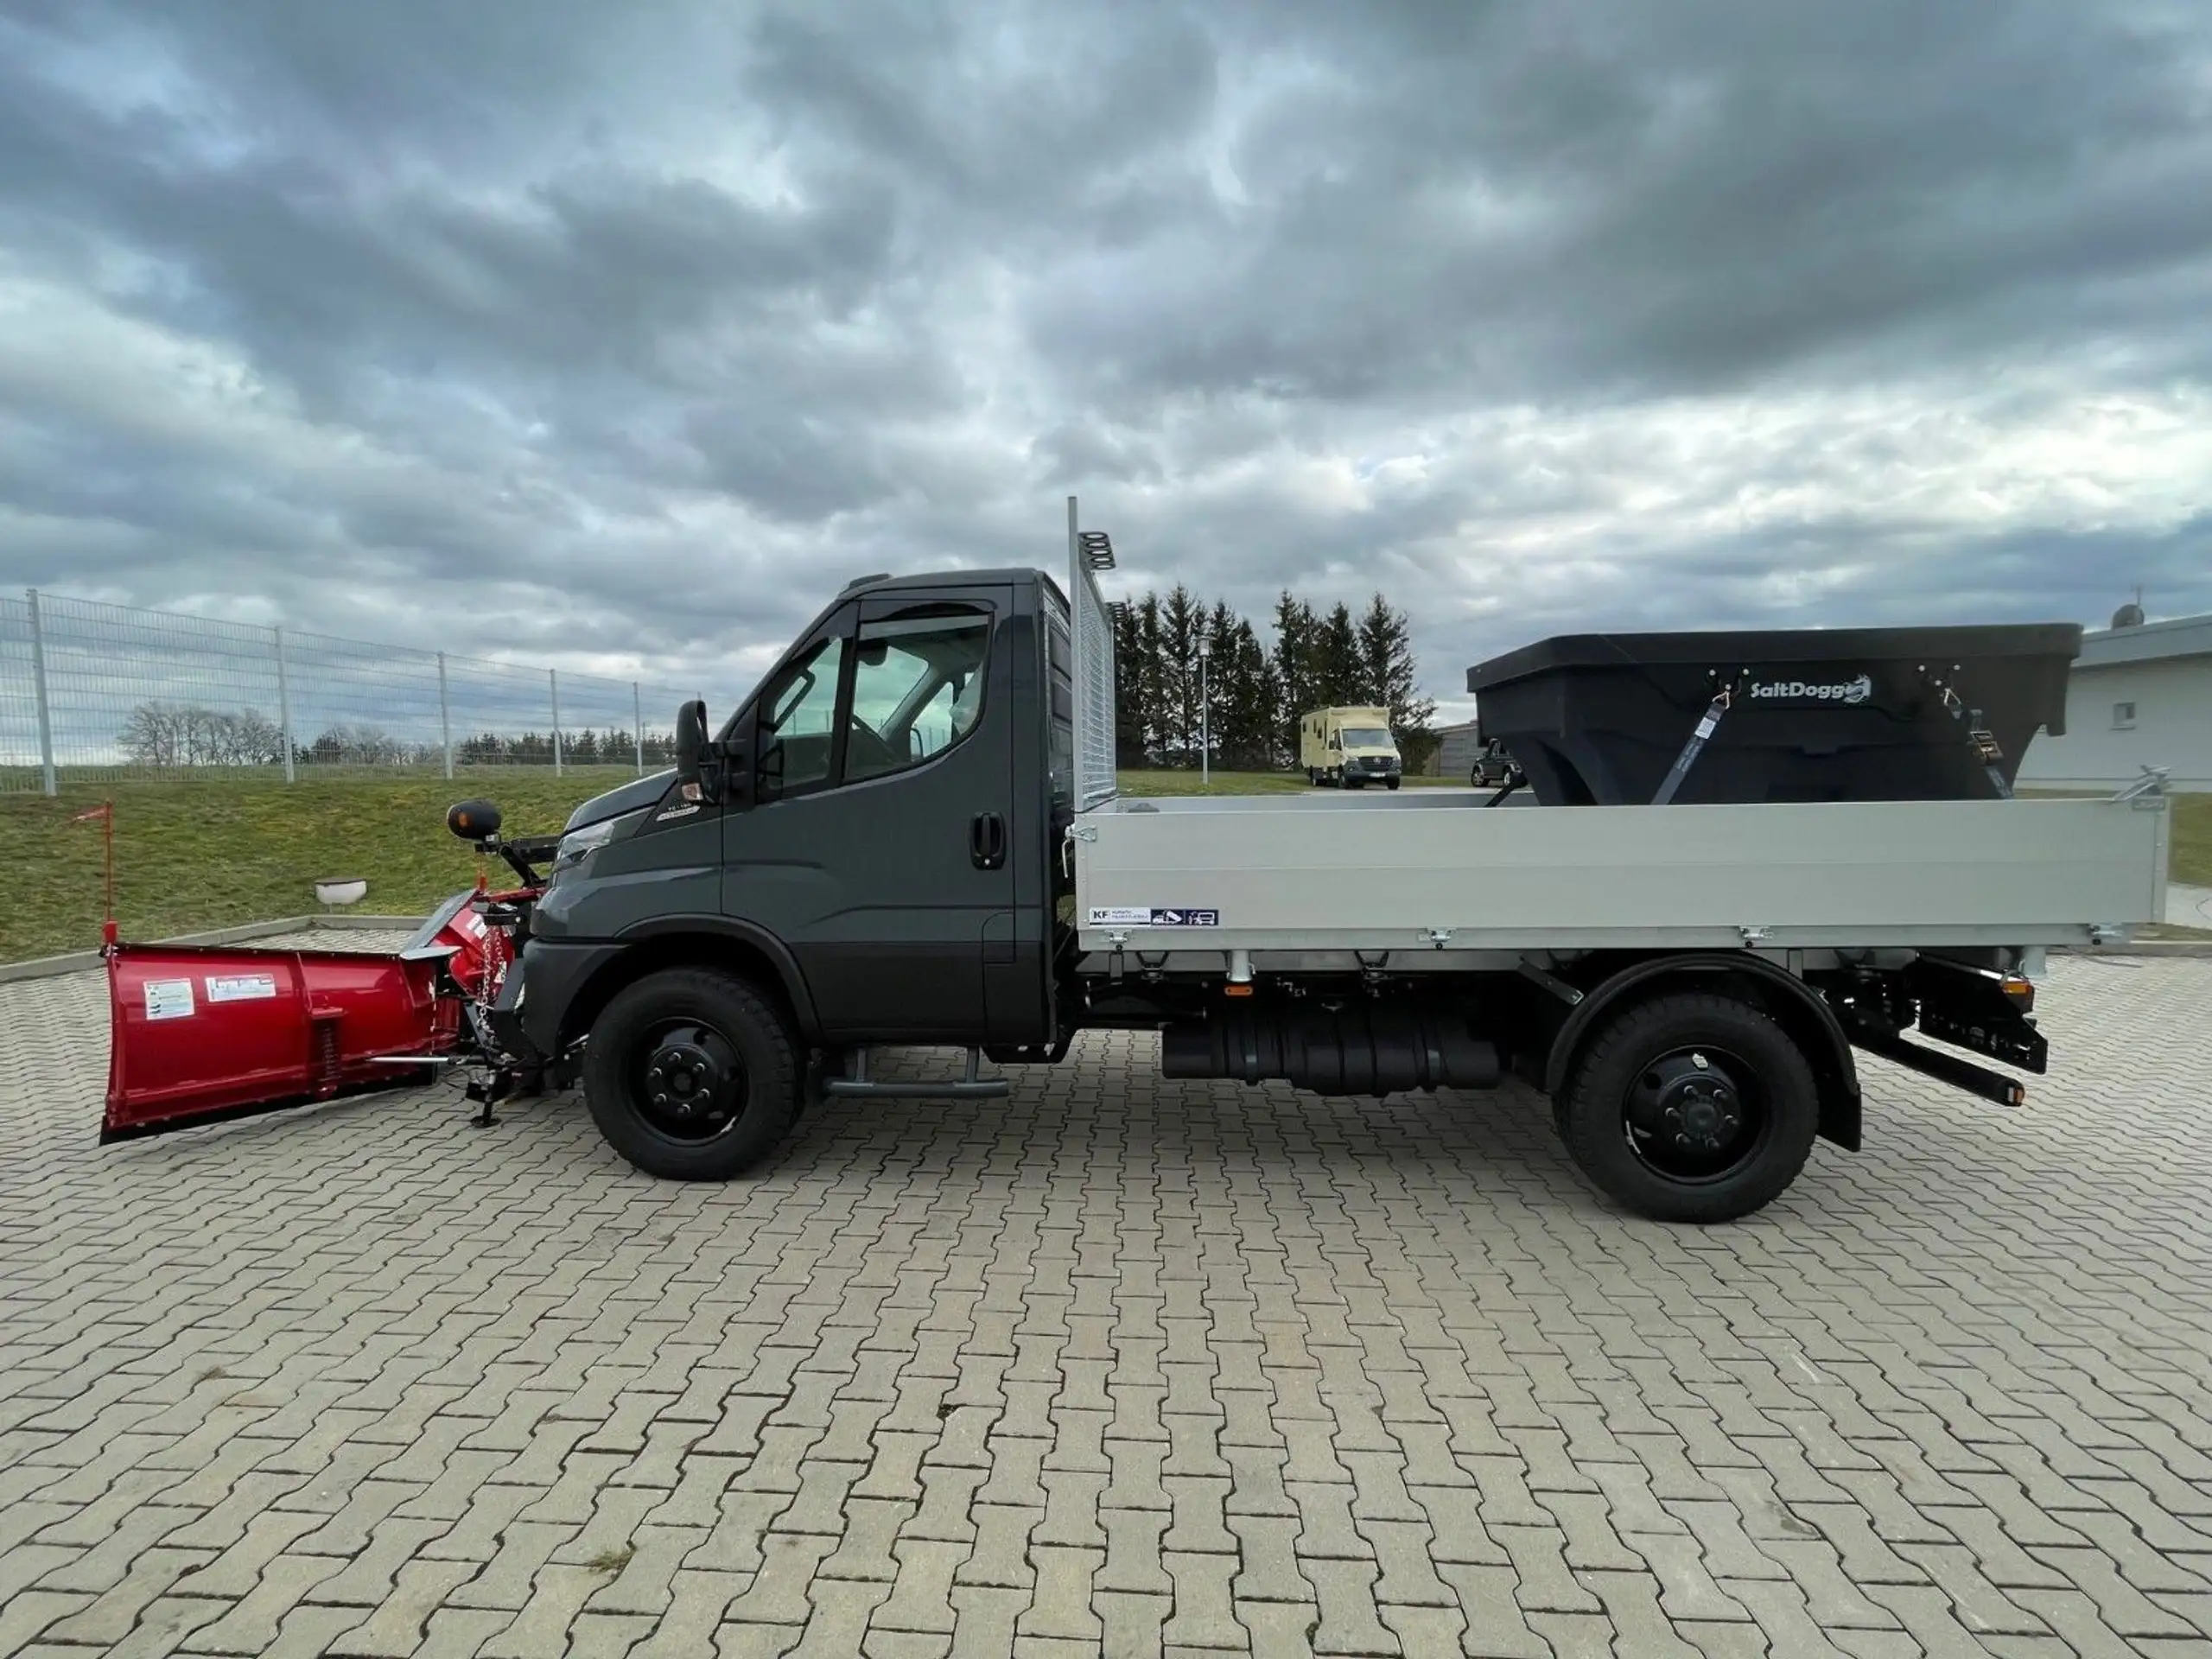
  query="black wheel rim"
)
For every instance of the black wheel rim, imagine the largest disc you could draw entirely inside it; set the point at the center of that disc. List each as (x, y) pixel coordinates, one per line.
(1695, 1115)
(687, 1081)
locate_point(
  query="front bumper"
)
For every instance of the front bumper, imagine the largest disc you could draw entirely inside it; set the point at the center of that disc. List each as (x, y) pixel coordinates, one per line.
(531, 1018)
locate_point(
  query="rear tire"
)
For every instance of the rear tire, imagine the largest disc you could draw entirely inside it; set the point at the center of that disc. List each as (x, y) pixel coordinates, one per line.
(1692, 1108)
(692, 1075)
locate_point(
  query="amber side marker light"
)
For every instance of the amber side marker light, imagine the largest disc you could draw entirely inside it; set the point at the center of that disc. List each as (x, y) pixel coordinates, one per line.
(1236, 991)
(2021, 989)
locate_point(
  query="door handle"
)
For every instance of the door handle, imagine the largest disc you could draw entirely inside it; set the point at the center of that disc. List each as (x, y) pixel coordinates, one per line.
(986, 841)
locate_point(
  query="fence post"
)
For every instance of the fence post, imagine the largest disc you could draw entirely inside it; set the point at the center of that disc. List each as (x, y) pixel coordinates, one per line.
(638, 725)
(445, 716)
(553, 678)
(284, 704)
(45, 710)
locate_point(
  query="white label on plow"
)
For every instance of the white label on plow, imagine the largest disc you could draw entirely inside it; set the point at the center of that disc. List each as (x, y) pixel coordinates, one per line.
(240, 988)
(168, 999)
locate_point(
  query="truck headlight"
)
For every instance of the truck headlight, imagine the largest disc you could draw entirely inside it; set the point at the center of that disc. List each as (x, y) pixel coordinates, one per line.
(579, 844)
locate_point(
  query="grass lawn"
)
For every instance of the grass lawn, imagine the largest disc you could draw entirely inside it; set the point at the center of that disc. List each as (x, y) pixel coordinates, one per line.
(2192, 839)
(192, 855)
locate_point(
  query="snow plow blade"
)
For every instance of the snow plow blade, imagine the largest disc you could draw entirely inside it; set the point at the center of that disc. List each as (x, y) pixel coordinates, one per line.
(201, 1033)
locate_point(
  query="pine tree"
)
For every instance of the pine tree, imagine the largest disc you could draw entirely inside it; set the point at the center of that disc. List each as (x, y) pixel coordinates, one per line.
(1294, 666)
(1132, 680)
(1337, 668)
(1218, 728)
(1181, 619)
(1390, 678)
(1246, 707)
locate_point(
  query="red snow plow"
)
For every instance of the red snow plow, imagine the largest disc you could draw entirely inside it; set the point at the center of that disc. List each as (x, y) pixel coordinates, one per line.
(198, 1033)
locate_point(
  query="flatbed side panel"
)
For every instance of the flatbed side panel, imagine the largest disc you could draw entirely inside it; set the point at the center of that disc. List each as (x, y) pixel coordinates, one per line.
(1211, 873)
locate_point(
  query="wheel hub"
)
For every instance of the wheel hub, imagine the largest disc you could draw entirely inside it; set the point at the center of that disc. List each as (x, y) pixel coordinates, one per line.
(1703, 1116)
(1687, 1114)
(689, 1080)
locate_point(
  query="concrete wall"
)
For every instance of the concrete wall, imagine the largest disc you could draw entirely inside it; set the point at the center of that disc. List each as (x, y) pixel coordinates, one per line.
(2172, 727)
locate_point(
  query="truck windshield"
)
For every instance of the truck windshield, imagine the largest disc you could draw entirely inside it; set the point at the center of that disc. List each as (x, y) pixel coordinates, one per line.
(1366, 737)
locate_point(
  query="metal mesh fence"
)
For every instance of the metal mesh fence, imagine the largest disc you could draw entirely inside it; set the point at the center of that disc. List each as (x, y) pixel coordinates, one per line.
(1095, 777)
(90, 691)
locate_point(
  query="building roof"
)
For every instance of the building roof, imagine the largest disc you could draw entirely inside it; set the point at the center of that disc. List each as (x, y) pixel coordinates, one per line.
(2180, 636)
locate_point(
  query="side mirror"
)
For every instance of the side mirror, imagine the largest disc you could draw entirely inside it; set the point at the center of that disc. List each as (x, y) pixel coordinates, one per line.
(691, 769)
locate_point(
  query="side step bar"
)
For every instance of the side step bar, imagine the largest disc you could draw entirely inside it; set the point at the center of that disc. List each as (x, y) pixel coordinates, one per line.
(1944, 1068)
(971, 1087)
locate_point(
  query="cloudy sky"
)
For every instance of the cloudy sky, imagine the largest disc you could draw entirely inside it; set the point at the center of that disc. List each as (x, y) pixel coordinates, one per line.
(632, 330)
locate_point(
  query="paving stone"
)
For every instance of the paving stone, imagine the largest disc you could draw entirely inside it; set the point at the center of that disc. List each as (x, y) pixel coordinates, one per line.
(1204, 1614)
(1063, 1607)
(984, 1620)
(1130, 1364)
(1498, 1627)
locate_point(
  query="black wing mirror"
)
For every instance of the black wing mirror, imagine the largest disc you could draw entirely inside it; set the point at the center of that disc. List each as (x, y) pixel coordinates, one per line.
(695, 775)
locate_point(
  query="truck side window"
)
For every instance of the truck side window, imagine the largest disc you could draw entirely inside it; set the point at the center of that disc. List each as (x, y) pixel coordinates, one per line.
(918, 689)
(797, 720)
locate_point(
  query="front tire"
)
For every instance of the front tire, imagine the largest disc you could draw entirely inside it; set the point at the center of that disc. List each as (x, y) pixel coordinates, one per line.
(692, 1075)
(1393, 783)
(1692, 1108)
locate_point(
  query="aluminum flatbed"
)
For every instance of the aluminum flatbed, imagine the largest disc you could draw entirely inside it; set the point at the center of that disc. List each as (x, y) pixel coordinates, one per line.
(1327, 876)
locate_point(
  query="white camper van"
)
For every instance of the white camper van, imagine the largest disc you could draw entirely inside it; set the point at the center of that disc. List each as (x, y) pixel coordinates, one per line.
(1350, 748)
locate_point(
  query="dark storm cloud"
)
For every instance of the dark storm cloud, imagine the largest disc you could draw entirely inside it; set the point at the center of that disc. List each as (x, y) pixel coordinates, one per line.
(633, 330)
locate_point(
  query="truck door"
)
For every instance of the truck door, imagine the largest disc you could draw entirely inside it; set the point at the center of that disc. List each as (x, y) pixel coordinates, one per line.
(878, 845)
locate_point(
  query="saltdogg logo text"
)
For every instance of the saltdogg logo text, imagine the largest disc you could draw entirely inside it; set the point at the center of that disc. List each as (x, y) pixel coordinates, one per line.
(1848, 691)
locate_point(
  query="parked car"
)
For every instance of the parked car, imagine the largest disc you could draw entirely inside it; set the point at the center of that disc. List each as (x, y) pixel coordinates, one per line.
(1493, 766)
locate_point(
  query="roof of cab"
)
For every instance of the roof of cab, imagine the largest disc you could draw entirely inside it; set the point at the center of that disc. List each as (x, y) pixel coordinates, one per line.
(939, 578)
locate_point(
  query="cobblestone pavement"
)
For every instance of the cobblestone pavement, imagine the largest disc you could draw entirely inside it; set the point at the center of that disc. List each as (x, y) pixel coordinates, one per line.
(1120, 1364)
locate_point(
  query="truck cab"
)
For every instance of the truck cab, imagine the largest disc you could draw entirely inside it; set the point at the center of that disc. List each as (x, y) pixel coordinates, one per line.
(867, 845)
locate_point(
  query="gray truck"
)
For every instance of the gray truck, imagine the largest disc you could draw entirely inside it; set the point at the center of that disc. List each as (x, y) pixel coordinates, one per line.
(911, 834)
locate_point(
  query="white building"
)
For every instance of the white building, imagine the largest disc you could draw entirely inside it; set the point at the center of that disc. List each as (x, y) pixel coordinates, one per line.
(2138, 696)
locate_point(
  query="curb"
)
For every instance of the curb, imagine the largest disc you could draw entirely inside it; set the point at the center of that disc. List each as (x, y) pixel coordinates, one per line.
(78, 962)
